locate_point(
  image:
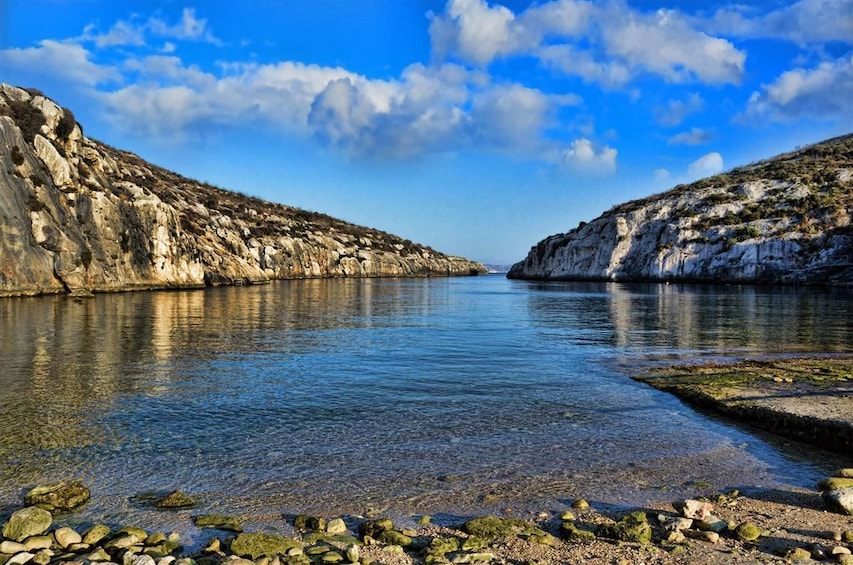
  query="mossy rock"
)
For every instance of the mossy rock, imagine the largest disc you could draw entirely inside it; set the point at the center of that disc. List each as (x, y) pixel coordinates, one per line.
(832, 483)
(798, 554)
(308, 522)
(27, 522)
(321, 537)
(257, 544)
(473, 543)
(570, 532)
(373, 528)
(175, 499)
(218, 521)
(393, 537)
(633, 527)
(58, 497)
(747, 531)
(96, 534)
(493, 527)
(845, 473)
(438, 547)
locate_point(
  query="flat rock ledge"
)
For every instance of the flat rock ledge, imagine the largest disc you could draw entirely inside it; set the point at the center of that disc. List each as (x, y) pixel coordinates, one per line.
(804, 399)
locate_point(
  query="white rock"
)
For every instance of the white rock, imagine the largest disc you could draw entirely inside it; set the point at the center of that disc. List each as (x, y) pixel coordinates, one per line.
(20, 558)
(66, 537)
(9, 547)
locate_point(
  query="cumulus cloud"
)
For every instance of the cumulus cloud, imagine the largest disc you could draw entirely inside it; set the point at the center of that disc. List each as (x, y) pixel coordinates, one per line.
(706, 165)
(823, 92)
(582, 155)
(694, 136)
(605, 43)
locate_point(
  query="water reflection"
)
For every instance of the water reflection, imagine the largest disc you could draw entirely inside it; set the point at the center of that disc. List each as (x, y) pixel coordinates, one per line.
(660, 318)
(294, 388)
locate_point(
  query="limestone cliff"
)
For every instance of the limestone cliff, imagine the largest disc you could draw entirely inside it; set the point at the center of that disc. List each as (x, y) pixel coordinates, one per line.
(784, 220)
(79, 216)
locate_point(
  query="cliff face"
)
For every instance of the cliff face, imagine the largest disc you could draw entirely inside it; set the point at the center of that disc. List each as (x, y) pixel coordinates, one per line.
(785, 220)
(79, 216)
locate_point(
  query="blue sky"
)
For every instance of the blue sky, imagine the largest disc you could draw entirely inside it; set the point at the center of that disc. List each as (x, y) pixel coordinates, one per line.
(475, 127)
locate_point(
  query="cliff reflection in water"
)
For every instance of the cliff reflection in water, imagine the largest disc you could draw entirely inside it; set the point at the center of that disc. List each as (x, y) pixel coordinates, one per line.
(68, 362)
(663, 318)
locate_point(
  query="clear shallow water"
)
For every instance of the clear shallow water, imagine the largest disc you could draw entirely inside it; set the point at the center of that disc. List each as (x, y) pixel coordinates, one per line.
(436, 395)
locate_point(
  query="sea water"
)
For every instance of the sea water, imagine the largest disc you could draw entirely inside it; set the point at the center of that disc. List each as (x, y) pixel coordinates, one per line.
(444, 395)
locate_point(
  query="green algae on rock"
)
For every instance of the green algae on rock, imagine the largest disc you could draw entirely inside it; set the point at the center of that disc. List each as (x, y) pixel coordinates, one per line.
(258, 544)
(58, 497)
(633, 527)
(218, 521)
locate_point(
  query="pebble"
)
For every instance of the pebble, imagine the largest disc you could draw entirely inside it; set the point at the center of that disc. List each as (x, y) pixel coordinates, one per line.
(839, 550)
(567, 516)
(20, 558)
(336, 527)
(66, 537)
(712, 524)
(674, 523)
(96, 534)
(11, 547)
(580, 504)
(712, 537)
(695, 509)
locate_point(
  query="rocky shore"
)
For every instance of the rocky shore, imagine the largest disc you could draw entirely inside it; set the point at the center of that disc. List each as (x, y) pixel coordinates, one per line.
(733, 527)
(808, 400)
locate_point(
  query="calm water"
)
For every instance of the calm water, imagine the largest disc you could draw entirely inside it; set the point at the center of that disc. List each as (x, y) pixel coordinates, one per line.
(406, 396)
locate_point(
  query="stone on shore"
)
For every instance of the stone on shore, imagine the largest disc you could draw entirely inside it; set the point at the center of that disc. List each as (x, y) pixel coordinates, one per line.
(336, 527)
(257, 544)
(175, 499)
(96, 534)
(846, 473)
(832, 483)
(27, 522)
(492, 527)
(747, 531)
(839, 500)
(372, 528)
(633, 527)
(66, 537)
(218, 522)
(694, 509)
(58, 497)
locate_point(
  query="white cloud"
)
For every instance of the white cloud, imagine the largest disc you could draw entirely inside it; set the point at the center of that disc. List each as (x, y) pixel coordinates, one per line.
(133, 32)
(474, 30)
(664, 43)
(823, 92)
(803, 22)
(706, 165)
(662, 175)
(694, 136)
(604, 43)
(65, 61)
(188, 28)
(582, 155)
(676, 110)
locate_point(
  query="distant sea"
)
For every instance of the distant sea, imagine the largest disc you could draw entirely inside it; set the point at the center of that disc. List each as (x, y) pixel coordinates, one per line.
(450, 396)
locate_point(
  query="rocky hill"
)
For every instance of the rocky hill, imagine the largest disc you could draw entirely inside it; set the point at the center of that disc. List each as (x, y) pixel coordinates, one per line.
(784, 220)
(79, 216)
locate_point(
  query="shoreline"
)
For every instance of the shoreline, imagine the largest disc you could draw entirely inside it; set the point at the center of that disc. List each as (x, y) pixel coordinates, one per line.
(787, 523)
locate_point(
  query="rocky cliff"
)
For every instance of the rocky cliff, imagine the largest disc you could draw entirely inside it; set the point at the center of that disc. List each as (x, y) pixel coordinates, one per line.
(784, 220)
(79, 216)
